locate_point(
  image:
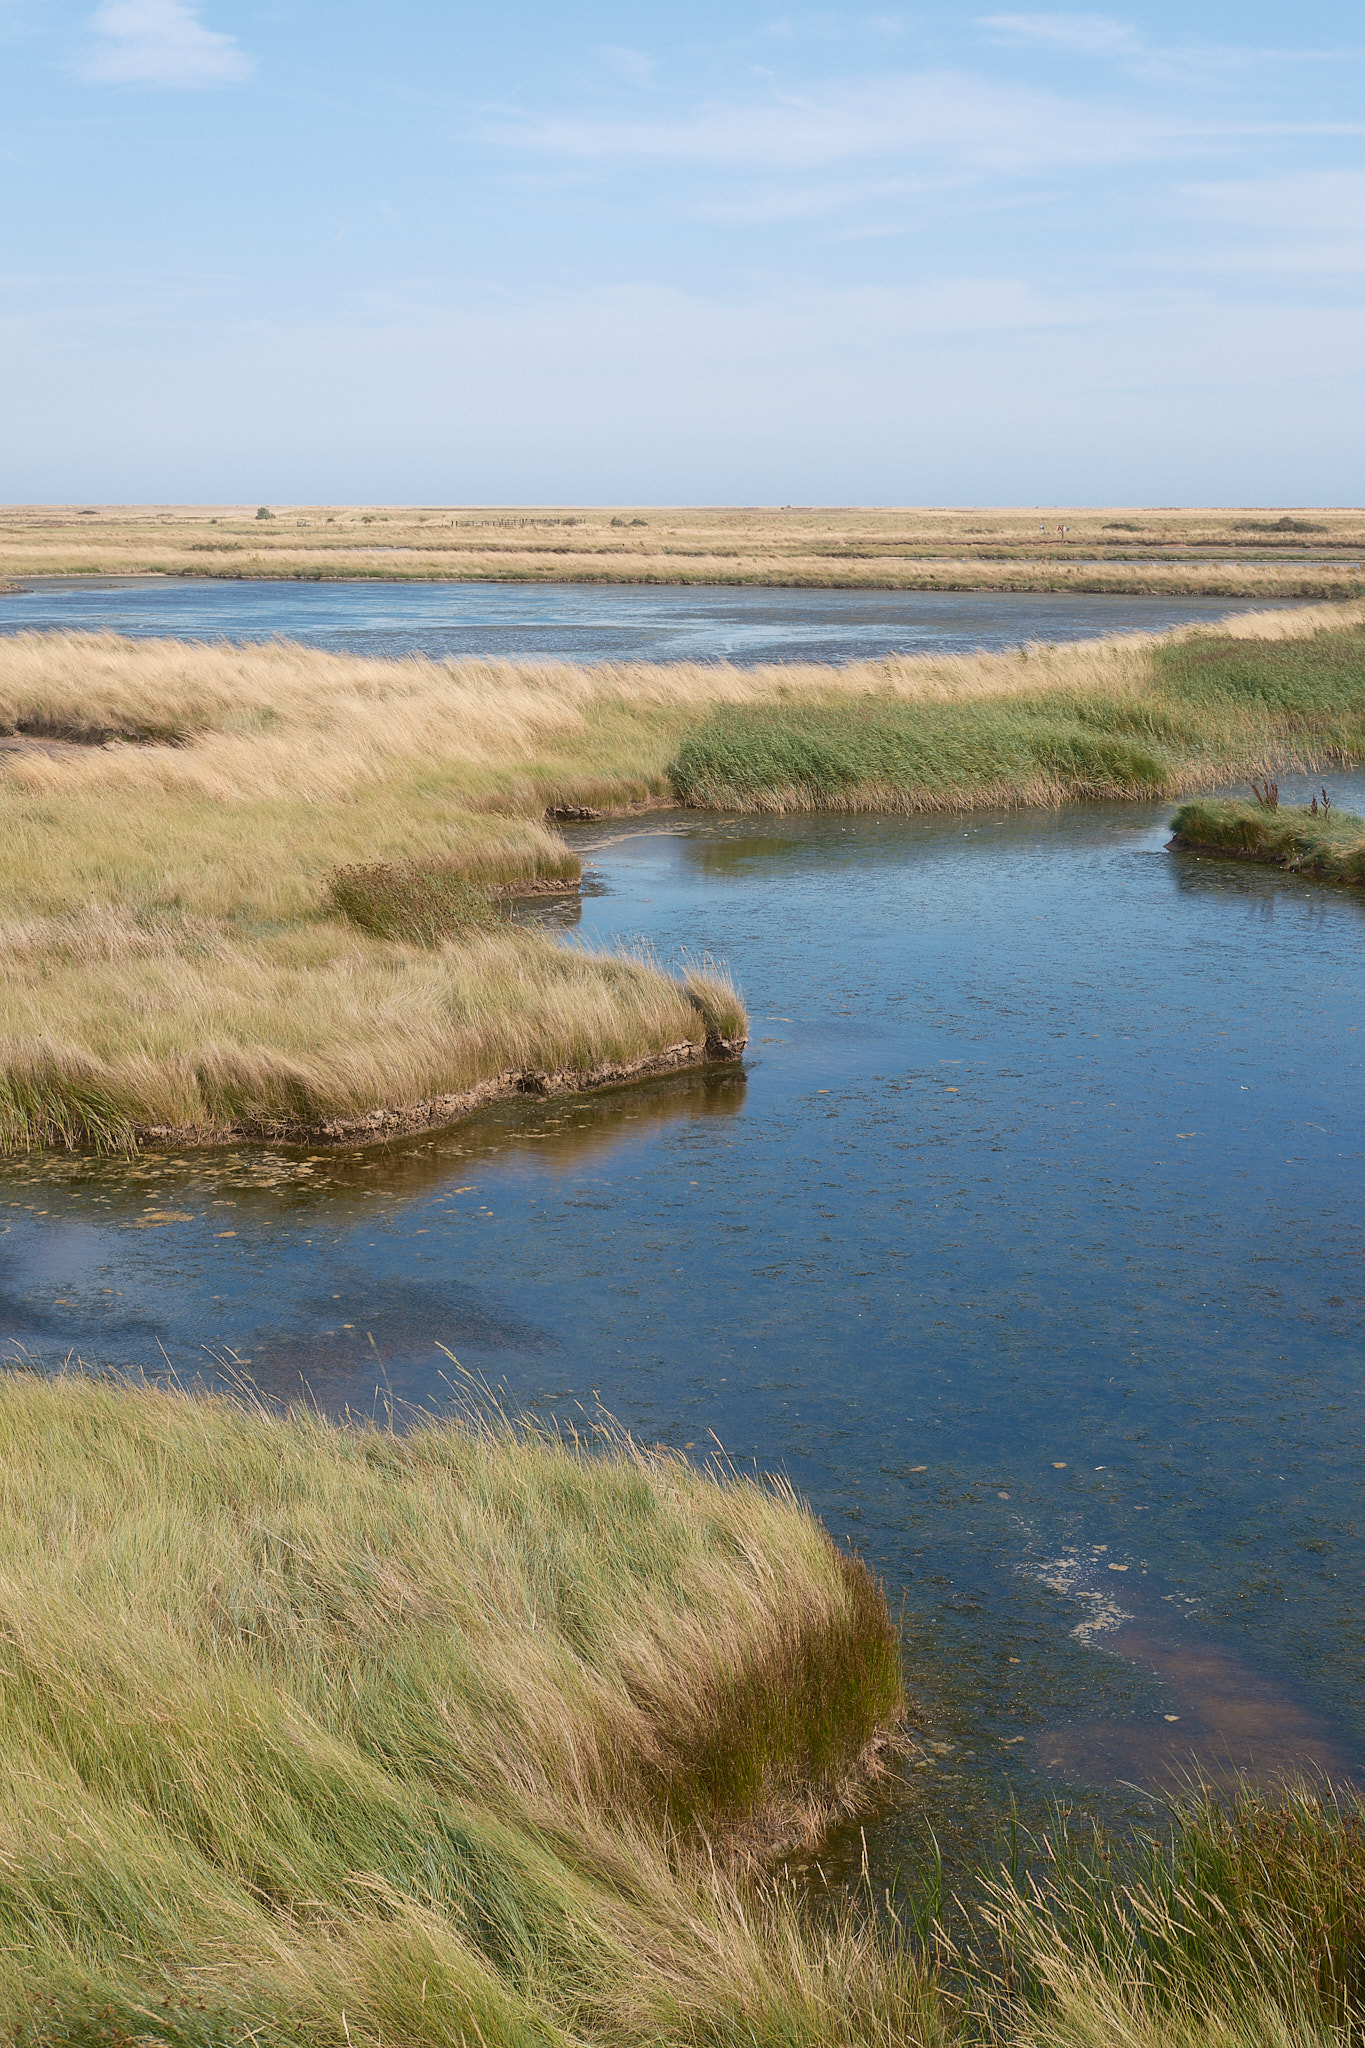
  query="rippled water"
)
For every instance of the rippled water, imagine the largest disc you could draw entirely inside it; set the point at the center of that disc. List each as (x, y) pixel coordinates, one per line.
(1028, 1241)
(576, 622)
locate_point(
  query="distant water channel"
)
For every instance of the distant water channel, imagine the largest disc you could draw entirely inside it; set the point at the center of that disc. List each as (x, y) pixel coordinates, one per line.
(589, 623)
(1028, 1242)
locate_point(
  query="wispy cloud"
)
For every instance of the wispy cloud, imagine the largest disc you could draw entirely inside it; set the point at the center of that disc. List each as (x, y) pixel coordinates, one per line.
(631, 65)
(1305, 223)
(948, 118)
(161, 42)
(952, 122)
(1088, 35)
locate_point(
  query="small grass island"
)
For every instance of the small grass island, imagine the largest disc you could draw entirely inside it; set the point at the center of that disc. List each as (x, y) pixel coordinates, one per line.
(1315, 840)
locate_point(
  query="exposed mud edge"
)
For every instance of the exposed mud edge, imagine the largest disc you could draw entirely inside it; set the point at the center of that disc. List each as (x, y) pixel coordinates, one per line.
(539, 885)
(441, 1110)
(587, 814)
(795, 1827)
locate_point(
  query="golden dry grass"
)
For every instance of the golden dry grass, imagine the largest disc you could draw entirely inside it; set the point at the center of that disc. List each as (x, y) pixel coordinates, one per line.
(1213, 552)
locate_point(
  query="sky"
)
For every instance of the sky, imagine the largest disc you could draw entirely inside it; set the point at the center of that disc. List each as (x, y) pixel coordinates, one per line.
(688, 253)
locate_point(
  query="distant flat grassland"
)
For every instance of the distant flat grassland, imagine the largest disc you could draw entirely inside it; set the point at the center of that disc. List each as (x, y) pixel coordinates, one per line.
(181, 957)
(1240, 553)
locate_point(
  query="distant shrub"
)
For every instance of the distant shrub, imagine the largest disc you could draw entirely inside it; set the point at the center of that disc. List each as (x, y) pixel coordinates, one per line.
(264, 512)
(1278, 526)
(419, 901)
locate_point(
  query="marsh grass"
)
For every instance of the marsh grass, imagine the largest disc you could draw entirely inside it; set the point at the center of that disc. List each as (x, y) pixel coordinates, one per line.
(169, 840)
(419, 901)
(323, 1735)
(1206, 552)
(329, 1735)
(108, 1028)
(1242, 1922)
(1205, 706)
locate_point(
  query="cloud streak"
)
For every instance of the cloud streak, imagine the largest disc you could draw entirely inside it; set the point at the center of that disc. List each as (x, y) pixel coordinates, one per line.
(161, 42)
(950, 120)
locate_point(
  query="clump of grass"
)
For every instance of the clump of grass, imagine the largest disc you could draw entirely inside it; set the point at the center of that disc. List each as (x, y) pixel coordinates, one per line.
(419, 901)
(1242, 1923)
(1322, 842)
(109, 1030)
(321, 1735)
(884, 755)
(1199, 703)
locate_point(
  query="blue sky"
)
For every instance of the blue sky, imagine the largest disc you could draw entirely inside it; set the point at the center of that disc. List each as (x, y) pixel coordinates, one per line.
(701, 253)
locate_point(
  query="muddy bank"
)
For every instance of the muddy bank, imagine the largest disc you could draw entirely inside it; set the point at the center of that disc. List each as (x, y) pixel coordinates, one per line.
(438, 1111)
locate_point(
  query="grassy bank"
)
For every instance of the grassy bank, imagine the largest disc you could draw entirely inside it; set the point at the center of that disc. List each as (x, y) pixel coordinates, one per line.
(1046, 725)
(322, 1738)
(1330, 848)
(1215, 553)
(326, 1736)
(246, 888)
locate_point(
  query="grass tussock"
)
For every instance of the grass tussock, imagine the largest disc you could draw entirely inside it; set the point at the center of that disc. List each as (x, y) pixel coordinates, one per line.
(330, 1736)
(321, 1737)
(171, 892)
(419, 901)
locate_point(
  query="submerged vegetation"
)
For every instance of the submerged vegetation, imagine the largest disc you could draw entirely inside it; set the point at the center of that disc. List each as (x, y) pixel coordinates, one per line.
(247, 888)
(322, 1737)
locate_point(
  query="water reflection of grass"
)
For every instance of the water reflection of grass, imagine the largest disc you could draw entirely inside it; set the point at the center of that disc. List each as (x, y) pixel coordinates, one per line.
(268, 1183)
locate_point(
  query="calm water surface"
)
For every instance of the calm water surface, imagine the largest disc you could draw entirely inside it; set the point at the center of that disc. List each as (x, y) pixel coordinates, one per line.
(575, 622)
(1028, 1241)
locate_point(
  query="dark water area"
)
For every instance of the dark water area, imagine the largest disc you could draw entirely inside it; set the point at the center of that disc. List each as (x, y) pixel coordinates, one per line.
(1028, 1241)
(591, 623)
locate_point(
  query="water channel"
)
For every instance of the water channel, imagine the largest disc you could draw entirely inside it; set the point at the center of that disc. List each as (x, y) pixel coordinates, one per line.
(1028, 1241)
(588, 622)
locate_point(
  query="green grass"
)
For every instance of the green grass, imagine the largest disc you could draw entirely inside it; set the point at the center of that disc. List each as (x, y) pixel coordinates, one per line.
(1204, 708)
(1328, 848)
(1240, 1925)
